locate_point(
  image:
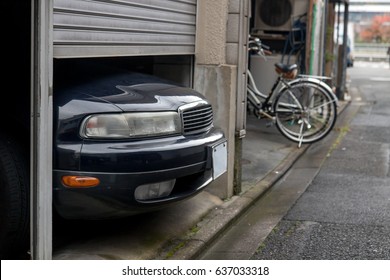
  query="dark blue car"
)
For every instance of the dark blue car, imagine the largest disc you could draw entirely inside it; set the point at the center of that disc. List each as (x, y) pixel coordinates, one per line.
(126, 143)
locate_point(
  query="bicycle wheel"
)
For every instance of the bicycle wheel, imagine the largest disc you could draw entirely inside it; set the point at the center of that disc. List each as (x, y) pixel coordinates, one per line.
(305, 111)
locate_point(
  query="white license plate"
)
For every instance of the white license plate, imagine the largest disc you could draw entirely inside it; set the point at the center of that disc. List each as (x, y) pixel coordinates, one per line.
(219, 159)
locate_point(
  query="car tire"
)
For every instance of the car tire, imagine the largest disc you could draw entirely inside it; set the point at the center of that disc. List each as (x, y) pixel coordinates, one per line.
(14, 200)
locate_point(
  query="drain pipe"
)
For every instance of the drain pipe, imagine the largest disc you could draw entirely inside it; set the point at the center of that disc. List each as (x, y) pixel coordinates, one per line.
(312, 37)
(342, 52)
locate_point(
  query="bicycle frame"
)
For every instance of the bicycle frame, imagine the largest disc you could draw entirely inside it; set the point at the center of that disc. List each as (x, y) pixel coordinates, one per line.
(262, 102)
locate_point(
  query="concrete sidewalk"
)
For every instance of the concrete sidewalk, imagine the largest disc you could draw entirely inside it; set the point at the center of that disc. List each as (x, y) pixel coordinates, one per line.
(182, 231)
(267, 156)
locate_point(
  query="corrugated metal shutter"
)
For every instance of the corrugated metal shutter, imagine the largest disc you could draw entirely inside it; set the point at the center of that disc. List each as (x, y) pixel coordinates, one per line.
(92, 28)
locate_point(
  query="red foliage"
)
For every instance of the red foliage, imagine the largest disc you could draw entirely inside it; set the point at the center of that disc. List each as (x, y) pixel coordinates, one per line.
(378, 31)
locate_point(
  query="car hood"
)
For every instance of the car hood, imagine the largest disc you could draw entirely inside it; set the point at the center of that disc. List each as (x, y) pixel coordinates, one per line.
(121, 91)
(150, 97)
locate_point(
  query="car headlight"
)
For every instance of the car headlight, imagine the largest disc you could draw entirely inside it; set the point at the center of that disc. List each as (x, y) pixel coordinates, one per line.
(130, 125)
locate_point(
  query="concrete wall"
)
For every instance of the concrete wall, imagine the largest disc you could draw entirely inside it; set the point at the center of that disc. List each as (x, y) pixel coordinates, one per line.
(218, 73)
(218, 84)
(211, 32)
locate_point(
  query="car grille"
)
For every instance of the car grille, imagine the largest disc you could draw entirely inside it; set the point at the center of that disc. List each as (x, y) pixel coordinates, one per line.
(197, 118)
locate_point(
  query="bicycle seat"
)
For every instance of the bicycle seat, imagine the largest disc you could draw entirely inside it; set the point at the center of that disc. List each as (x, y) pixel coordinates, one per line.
(288, 71)
(285, 68)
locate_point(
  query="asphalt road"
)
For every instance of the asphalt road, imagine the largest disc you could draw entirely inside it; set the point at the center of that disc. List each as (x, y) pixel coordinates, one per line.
(335, 201)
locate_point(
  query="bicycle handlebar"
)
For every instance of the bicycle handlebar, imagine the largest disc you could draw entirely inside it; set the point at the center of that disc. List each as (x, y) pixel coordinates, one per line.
(258, 47)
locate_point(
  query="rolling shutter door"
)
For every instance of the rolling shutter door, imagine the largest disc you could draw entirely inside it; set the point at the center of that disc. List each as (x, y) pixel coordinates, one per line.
(97, 28)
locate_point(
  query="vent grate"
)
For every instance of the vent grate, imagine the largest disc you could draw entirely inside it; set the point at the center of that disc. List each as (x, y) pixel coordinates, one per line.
(197, 119)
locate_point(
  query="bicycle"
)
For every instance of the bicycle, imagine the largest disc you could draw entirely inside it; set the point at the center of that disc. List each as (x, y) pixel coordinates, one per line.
(303, 107)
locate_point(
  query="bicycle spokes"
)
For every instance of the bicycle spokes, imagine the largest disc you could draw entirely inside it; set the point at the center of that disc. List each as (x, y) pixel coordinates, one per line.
(304, 112)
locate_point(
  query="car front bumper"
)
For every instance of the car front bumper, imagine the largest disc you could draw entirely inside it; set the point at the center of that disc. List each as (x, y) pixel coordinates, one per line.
(122, 167)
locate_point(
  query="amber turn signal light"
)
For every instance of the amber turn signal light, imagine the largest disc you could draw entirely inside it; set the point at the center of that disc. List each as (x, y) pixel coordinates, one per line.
(80, 181)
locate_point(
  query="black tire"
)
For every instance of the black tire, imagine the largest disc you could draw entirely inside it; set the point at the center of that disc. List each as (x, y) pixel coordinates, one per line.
(306, 111)
(14, 200)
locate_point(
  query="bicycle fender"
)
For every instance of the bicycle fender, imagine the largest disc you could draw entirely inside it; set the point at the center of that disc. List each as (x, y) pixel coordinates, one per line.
(314, 81)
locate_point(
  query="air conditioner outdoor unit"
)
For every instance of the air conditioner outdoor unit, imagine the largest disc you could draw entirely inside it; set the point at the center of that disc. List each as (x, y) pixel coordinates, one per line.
(276, 16)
